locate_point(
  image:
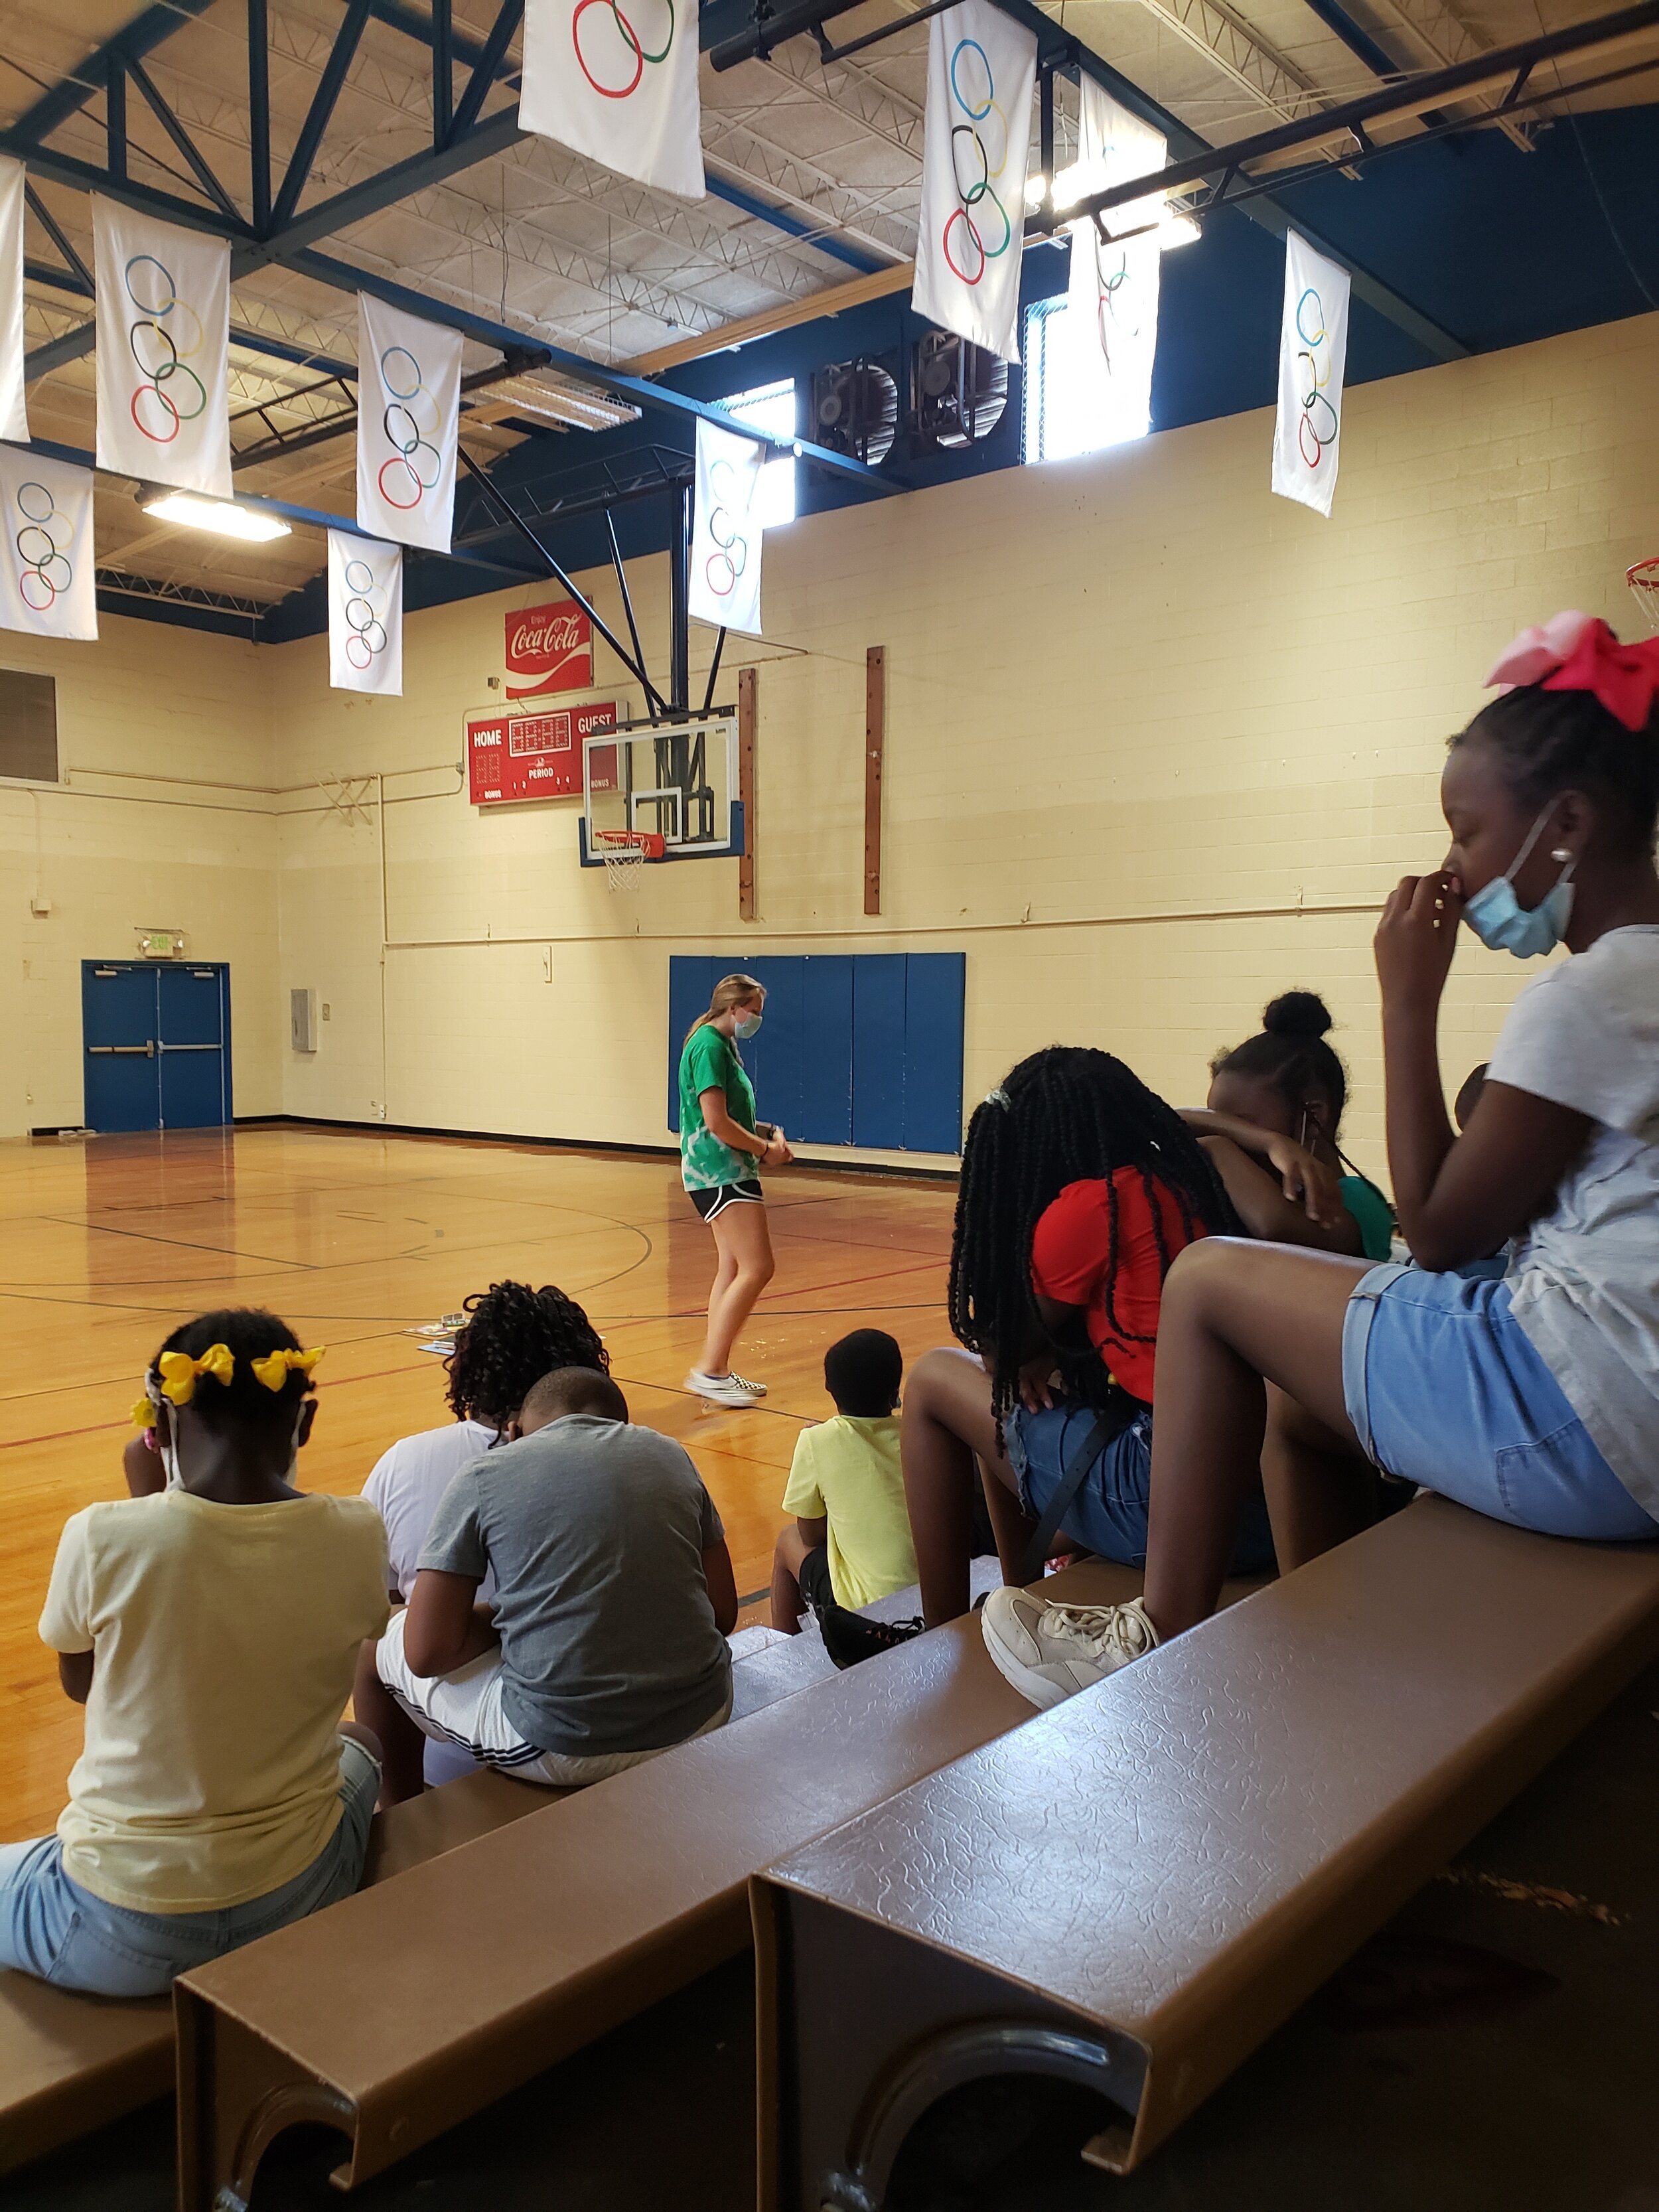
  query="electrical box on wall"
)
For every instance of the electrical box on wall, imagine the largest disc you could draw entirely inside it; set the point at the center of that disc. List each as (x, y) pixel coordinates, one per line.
(302, 1020)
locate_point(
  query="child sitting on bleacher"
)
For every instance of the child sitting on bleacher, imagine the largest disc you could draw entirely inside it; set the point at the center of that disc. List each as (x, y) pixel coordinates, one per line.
(1533, 1399)
(211, 1630)
(511, 1337)
(614, 1597)
(850, 1544)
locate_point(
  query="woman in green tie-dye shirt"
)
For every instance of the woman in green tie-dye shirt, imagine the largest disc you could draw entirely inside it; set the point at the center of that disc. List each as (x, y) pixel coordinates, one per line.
(721, 1145)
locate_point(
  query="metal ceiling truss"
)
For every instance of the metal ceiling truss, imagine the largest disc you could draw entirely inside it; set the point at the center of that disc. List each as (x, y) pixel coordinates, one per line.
(1059, 53)
(286, 237)
(1227, 172)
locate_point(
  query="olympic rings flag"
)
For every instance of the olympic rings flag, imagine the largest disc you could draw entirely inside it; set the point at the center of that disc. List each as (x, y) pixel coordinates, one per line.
(617, 80)
(409, 408)
(982, 70)
(725, 530)
(1112, 293)
(14, 416)
(1313, 356)
(365, 616)
(163, 333)
(46, 560)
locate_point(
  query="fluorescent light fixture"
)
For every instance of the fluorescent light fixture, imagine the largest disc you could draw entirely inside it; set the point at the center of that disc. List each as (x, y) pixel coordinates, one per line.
(1035, 186)
(1178, 230)
(220, 516)
(550, 397)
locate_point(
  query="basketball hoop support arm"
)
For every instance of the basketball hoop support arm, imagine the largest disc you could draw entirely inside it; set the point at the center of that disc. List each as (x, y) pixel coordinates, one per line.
(500, 501)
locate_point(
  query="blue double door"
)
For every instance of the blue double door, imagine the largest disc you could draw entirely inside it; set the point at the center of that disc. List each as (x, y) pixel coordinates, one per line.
(157, 1044)
(857, 1049)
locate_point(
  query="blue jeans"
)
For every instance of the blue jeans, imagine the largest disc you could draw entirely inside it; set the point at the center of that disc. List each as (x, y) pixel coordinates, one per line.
(51, 1928)
(1445, 1388)
(1109, 1514)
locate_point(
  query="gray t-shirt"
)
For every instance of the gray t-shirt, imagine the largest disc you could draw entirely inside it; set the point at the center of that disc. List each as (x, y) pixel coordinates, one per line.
(1584, 1278)
(595, 1531)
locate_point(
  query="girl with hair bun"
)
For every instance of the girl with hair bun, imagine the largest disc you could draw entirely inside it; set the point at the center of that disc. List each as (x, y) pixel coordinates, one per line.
(212, 1629)
(1287, 1083)
(1533, 1399)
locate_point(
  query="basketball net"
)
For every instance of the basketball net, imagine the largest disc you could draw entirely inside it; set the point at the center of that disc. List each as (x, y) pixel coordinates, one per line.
(1643, 581)
(625, 852)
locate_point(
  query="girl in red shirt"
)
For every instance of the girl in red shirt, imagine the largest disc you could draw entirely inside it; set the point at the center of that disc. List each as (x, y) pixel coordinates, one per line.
(1078, 1187)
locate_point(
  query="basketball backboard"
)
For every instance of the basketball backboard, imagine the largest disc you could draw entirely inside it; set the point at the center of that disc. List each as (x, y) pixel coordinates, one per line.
(677, 779)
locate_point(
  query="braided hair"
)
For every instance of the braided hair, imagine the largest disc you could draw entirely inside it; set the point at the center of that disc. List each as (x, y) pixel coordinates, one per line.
(514, 1336)
(1290, 1052)
(1065, 1114)
(1548, 742)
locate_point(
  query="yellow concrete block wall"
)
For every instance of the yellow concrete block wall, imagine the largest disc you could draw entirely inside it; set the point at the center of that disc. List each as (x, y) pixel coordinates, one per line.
(162, 817)
(1158, 746)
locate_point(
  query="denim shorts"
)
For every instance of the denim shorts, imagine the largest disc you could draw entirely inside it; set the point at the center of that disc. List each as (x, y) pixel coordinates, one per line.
(51, 1928)
(1445, 1388)
(1109, 1514)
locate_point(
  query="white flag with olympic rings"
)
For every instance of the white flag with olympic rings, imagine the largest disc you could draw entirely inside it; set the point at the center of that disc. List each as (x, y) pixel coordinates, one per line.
(409, 408)
(47, 584)
(1111, 306)
(13, 415)
(164, 336)
(725, 530)
(982, 70)
(1313, 357)
(365, 615)
(617, 80)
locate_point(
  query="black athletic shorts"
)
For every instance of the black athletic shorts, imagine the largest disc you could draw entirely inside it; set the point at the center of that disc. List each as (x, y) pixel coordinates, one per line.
(709, 1203)
(816, 1586)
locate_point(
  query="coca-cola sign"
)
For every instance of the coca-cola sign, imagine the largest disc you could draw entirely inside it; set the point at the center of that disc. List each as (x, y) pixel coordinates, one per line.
(549, 648)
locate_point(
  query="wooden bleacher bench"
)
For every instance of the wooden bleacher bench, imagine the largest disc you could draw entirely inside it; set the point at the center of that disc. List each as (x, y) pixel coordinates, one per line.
(69, 2063)
(407, 2008)
(1135, 1889)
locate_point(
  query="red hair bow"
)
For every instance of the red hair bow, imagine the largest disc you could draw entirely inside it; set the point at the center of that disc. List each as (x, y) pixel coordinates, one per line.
(1575, 652)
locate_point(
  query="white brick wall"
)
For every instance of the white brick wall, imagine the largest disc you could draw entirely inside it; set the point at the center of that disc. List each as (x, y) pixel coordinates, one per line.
(1147, 727)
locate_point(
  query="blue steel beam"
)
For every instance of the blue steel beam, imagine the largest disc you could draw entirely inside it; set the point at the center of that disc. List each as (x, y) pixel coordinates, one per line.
(142, 36)
(314, 518)
(48, 222)
(324, 101)
(1063, 51)
(345, 278)
(491, 58)
(115, 115)
(259, 115)
(181, 138)
(1355, 37)
(720, 188)
(443, 74)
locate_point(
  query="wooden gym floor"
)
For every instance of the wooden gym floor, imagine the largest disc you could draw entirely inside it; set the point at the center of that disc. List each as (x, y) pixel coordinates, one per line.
(356, 1239)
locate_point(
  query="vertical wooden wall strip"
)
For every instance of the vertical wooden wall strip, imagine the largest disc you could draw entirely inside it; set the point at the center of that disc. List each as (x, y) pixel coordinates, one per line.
(748, 713)
(875, 745)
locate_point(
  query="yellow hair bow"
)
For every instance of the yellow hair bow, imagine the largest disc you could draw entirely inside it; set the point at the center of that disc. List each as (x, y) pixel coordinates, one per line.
(144, 1412)
(178, 1371)
(274, 1369)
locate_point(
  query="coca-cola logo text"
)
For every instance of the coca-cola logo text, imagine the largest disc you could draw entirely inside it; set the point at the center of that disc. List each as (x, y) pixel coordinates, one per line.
(548, 649)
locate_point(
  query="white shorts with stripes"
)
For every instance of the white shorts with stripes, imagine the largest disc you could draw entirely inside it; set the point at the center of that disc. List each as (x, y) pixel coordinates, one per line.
(465, 1709)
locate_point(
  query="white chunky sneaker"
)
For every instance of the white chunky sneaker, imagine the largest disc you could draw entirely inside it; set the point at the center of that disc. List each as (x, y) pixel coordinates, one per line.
(724, 1389)
(1050, 1652)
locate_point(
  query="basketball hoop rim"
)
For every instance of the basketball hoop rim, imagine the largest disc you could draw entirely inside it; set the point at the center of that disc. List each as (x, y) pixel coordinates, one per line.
(648, 844)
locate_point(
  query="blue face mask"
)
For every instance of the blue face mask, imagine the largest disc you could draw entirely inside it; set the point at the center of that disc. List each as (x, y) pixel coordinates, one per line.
(1498, 919)
(746, 1024)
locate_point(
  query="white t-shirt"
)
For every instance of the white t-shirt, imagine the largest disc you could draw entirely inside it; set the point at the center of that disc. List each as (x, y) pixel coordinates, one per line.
(1584, 1278)
(408, 1482)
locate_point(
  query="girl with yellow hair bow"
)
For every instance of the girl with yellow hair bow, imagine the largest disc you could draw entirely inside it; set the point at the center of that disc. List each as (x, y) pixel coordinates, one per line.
(211, 1629)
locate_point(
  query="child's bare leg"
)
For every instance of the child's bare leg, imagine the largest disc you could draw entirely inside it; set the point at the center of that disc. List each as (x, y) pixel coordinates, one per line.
(747, 1267)
(402, 1747)
(1010, 1524)
(787, 1603)
(1320, 1489)
(1234, 1317)
(945, 1424)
